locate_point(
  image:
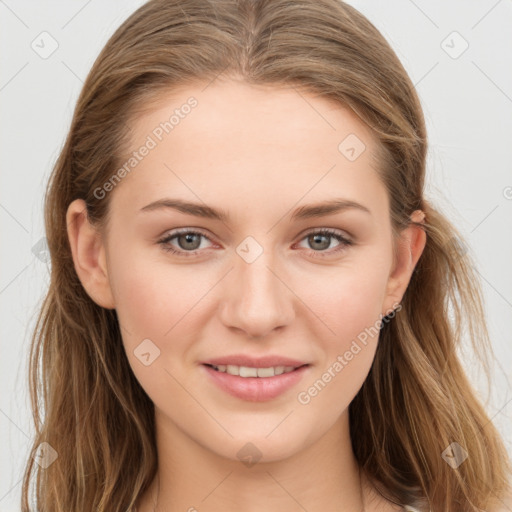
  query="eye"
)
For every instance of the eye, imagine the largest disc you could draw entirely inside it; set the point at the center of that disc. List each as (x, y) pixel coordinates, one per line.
(189, 242)
(320, 240)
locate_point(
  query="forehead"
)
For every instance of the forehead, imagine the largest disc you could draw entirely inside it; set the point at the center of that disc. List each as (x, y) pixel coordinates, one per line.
(228, 139)
(240, 108)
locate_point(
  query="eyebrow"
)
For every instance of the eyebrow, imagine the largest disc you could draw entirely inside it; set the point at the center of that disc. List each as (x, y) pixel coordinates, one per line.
(304, 212)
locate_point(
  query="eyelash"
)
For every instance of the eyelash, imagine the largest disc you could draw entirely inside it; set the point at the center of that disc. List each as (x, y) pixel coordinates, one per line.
(344, 242)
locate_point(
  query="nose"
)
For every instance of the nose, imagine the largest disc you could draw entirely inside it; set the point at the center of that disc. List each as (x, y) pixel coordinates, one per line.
(256, 298)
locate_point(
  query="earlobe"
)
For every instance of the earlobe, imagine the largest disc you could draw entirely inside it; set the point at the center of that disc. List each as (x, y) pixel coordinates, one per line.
(410, 247)
(89, 256)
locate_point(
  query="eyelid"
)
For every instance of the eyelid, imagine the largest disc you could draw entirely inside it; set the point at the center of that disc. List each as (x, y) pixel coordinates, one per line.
(180, 231)
(341, 236)
(344, 241)
(192, 229)
(336, 231)
(165, 239)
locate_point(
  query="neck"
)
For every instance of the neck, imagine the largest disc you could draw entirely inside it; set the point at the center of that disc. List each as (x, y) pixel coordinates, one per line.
(192, 477)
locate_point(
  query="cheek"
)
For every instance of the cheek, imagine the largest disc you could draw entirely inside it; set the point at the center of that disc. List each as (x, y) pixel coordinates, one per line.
(164, 303)
(151, 296)
(156, 307)
(349, 305)
(348, 300)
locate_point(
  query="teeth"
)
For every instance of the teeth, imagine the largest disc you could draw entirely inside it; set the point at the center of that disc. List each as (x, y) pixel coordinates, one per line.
(246, 371)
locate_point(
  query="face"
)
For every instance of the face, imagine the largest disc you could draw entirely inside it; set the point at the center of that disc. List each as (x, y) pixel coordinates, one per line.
(278, 245)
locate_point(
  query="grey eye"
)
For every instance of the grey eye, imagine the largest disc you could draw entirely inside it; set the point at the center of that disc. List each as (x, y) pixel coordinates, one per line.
(315, 241)
(189, 241)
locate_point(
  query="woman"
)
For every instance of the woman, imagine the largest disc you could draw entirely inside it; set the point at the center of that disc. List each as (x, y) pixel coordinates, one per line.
(253, 306)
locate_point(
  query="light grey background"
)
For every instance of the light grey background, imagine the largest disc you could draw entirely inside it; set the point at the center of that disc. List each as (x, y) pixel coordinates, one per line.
(467, 99)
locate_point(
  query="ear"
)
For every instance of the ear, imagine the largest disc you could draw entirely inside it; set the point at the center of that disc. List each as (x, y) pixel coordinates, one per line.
(410, 247)
(88, 255)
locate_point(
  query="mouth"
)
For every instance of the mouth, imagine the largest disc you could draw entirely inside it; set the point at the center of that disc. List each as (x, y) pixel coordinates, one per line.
(248, 371)
(255, 384)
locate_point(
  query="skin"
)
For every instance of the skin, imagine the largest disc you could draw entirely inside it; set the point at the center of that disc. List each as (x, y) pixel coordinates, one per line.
(258, 153)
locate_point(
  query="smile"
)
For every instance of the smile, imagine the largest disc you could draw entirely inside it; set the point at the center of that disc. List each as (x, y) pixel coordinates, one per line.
(255, 384)
(247, 371)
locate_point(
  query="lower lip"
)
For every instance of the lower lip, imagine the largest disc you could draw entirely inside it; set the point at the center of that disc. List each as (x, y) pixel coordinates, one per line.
(256, 389)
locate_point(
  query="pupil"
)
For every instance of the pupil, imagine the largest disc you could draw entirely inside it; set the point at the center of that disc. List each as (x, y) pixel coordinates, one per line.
(189, 239)
(315, 239)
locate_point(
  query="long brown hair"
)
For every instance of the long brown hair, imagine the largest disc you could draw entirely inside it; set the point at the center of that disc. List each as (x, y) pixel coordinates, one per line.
(416, 401)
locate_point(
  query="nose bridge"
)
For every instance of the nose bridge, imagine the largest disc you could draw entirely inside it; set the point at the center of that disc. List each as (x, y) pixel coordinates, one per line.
(256, 300)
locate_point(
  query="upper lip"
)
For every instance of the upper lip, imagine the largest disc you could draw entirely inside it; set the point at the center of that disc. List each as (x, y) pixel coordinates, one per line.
(254, 362)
